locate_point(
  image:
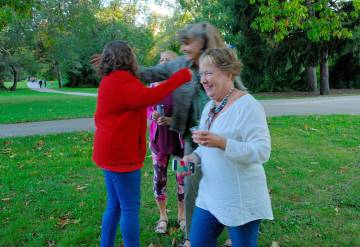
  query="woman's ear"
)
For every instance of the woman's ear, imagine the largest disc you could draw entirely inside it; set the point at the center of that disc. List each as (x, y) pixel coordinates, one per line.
(229, 75)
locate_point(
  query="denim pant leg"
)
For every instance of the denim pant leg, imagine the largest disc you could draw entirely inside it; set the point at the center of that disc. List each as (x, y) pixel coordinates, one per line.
(191, 187)
(111, 215)
(205, 229)
(245, 235)
(123, 202)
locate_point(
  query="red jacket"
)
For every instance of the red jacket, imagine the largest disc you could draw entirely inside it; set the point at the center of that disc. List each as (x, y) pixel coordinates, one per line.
(120, 118)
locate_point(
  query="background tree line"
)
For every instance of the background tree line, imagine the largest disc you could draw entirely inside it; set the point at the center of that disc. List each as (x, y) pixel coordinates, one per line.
(284, 45)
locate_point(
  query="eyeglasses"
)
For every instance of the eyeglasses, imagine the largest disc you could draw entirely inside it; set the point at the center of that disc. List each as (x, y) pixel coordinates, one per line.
(206, 74)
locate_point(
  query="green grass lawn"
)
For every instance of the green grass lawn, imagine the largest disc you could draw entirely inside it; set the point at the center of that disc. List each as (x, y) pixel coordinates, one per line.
(25, 105)
(52, 195)
(80, 90)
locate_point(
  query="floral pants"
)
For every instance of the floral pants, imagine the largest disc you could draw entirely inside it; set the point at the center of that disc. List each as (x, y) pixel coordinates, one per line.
(161, 163)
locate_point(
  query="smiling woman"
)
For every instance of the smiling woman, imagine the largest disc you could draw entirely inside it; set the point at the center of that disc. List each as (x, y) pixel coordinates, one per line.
(234, 142)
(218, 69)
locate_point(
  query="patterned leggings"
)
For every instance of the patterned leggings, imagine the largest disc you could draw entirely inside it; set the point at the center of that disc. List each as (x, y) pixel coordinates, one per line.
(161, 162)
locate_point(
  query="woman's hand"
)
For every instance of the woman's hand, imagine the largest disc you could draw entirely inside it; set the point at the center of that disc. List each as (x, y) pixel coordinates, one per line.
(209, 139)
(164, 121)
(193, 158)
(155, 115)
(95, 60)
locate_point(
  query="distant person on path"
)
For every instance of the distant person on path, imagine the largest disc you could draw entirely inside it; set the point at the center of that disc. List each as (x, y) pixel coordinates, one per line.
(234, 143)
(164, 143)
(120, 141)
(44, 83)
(40, 83)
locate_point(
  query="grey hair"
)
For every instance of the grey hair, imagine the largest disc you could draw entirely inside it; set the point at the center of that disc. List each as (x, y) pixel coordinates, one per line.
(204, 31)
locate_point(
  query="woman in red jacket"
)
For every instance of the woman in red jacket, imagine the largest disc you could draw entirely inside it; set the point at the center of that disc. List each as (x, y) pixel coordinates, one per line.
(120, 142)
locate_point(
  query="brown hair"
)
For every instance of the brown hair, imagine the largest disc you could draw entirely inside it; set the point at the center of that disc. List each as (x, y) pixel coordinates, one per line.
(117, 55)
(226, 60)
(202, 30)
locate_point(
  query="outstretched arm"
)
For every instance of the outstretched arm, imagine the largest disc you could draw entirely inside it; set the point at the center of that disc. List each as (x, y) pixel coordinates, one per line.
(141, 96)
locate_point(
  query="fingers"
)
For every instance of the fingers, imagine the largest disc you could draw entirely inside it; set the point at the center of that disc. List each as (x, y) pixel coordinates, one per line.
(162, 121)
(200, 137)
(155, 115)
(184, 174)
(95, 60)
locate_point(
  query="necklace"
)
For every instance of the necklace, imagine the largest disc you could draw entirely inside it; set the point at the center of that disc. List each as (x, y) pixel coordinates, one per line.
(216, 109)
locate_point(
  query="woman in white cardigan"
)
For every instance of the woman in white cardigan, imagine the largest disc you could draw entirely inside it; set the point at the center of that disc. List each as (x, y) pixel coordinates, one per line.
(234, 143)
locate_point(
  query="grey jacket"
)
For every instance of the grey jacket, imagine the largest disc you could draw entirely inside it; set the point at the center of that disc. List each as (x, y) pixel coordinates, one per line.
(189, 99)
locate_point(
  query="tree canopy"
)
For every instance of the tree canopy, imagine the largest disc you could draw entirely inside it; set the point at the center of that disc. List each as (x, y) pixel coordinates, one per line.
(284, 45)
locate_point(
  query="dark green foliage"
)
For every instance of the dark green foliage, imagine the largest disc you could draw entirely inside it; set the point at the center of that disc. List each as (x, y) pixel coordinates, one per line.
(271, 65)
(83, 76)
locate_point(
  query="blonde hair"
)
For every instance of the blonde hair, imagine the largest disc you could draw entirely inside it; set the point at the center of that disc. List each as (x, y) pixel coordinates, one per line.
(172, 54)
(226, 60)
(202, 30)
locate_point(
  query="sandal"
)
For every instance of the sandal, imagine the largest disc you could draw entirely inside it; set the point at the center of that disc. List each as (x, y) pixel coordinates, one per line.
(227, 243)
(182, 224)
(161, 226)
(184, 243)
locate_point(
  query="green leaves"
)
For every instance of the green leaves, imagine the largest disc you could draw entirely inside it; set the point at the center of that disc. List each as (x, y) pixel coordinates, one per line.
(317, 19)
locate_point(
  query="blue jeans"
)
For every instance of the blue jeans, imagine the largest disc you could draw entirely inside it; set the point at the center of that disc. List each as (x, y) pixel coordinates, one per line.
(205, 229)
(123, 203)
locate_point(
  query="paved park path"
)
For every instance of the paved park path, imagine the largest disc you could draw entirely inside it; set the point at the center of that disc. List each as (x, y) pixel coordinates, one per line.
(35, 86)
(279, 107)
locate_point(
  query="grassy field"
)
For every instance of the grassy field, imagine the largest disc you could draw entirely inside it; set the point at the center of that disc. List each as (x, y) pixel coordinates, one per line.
(80, 90)
(52, 194)
(25, 105)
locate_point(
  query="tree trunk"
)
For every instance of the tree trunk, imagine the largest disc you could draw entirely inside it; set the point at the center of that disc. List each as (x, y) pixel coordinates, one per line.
(58, 73)
(311, 69)
(311, 78)
(15, 78)
(324, 73)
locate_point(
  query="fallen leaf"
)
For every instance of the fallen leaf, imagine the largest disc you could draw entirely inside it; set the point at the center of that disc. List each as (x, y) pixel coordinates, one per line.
(62, 222)
(75, 221)
(40, 144)
(343, 169)
(50, 242)
(306, 127)
(80, 188)
(8, 143)
(27, 202)
(282, 170)
(6, 199)
(337, 210)
(275, 244)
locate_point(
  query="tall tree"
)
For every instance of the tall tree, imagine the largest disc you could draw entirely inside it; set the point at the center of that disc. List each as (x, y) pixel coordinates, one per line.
(321, 21)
